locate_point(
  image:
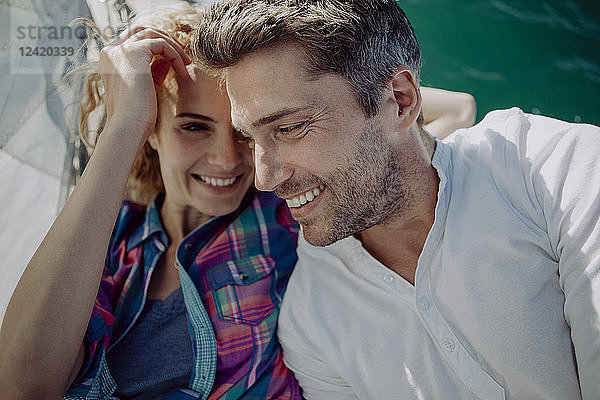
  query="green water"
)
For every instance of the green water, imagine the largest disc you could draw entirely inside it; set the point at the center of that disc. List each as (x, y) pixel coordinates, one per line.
(542, 56)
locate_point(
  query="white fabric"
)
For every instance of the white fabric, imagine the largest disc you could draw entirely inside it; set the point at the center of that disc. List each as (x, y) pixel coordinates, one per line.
(31, 194)
(28, 206)
(506, 302)
(34, 140)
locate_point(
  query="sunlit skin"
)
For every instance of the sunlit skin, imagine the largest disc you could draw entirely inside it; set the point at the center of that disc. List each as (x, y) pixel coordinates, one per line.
(195, 141)
(311, 132)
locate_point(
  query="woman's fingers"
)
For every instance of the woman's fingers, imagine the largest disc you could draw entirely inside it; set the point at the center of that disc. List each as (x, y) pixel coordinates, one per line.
(166, 51)
(160, 68)
(150, 33)
(125, 35)
(151, 37)
(132, 66)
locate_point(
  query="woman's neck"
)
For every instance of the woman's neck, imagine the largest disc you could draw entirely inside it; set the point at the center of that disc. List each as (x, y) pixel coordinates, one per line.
(179, 221)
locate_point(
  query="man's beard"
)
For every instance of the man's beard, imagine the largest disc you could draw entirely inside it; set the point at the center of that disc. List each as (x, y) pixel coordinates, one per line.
(365, 191)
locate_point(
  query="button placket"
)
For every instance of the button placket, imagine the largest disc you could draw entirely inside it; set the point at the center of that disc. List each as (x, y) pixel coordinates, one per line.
(449, 344)
(467, 368)
(206, 351)
(423, 303)
(470, 371)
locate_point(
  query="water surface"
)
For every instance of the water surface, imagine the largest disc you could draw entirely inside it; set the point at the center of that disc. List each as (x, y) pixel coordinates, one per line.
(543, 56)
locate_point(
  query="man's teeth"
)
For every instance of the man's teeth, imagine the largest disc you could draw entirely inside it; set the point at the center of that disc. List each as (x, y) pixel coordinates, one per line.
(217, 181)
(305, 197)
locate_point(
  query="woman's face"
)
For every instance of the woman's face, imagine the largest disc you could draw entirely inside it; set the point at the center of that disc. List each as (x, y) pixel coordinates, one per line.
(204, 164)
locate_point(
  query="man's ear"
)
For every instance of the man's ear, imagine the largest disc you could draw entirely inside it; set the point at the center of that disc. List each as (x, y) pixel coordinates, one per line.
(153, 140)
(407, 97)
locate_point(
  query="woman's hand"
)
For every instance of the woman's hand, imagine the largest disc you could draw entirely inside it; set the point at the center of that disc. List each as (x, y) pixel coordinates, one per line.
(445, 111)
(131, 66)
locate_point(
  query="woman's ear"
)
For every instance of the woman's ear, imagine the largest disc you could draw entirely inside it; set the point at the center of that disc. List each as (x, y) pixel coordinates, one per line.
(407, 97)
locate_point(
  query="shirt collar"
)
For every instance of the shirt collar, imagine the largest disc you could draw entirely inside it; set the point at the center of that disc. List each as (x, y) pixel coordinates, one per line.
(151, 225)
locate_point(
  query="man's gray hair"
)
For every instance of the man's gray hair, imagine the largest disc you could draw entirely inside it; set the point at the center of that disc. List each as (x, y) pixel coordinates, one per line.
(364, 41)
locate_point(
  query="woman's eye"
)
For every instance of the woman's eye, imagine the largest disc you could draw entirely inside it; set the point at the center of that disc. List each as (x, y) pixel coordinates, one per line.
(195, 126)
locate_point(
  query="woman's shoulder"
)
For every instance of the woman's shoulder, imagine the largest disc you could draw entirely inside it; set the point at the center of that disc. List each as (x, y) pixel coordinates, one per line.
(277, 209)
(132, 226)
(130, 216)
(267, 199)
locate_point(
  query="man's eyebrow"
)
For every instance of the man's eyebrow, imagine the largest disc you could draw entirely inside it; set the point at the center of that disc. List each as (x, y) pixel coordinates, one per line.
(268, 119)
(195, 116)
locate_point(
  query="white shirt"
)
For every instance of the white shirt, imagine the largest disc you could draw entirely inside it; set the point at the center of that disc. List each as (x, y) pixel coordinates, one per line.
(506, 302)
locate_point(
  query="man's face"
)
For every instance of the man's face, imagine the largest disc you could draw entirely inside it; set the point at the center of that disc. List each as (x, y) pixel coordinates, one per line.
(339, 172)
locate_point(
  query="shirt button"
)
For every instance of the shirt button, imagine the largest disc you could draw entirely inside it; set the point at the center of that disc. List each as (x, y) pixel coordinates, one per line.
(187, 246)
(388, 278)
(449, 344)
(424, 304)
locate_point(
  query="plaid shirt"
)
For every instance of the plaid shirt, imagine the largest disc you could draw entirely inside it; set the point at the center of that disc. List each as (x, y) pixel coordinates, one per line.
(233, 272)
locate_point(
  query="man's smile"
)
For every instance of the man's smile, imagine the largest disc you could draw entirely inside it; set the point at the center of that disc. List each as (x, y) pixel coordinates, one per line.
(306, 197)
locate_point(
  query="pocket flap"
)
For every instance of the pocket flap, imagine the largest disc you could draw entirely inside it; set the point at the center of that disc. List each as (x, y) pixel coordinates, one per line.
(240, 272)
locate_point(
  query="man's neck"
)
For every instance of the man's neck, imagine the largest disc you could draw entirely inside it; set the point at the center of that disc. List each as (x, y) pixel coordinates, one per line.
(398, 242)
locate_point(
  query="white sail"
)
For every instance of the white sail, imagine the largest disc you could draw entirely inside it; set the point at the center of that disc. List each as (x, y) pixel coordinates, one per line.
(38, 117)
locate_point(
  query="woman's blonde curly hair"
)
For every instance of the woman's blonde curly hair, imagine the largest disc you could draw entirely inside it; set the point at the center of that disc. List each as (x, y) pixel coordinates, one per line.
(145, 179)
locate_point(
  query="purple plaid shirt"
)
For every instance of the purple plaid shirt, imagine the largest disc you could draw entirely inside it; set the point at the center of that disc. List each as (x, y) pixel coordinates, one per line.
(233, 273)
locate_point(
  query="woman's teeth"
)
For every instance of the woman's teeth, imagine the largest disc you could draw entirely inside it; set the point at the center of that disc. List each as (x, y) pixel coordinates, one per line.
(304, 198)
(216, 181)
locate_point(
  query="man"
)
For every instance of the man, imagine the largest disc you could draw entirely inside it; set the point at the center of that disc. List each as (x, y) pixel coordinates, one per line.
(466, 269)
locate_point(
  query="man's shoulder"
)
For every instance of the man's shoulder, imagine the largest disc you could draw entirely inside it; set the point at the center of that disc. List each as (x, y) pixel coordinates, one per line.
(516, 126)
(317, 268)
(329, 274)
(512, 139)
(314, 258)
(316, 298)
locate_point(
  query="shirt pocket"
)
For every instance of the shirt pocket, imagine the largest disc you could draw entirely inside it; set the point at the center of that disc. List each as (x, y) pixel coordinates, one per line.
(242, 289)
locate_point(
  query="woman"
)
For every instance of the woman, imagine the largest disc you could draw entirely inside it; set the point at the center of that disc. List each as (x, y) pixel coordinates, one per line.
(187, 301)
(445, 111)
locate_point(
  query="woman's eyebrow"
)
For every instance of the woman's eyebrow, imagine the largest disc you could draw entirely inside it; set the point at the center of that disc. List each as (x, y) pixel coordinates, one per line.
(195, 116)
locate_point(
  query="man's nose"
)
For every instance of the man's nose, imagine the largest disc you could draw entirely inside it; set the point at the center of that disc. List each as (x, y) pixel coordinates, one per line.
(271, 169)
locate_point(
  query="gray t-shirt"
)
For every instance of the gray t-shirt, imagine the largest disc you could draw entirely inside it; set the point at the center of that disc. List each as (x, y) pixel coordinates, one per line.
(155, 357)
